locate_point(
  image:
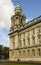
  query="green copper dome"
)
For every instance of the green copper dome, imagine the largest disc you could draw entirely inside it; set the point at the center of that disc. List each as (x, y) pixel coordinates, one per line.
(18, 7)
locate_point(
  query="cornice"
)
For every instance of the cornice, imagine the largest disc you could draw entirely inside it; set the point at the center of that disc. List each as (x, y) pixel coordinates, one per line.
(26, 47)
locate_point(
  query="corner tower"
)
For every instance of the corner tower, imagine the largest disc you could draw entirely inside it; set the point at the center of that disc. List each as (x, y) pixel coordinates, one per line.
(18, 19)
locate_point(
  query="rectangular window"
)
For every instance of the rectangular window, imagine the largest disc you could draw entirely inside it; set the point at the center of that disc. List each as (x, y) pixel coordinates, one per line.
(24, 35)
(28, 39)
(33, 39)
(13, 44)
(20, 36)
(20, 43)
(19, 53)
(33, 31)
(12, 53)
(39, 29)
(28, 34)
(28, 51)
(24, 42)
(33, 52)
(24, 53)
(13, 41)
(39, 39)
(39, 52)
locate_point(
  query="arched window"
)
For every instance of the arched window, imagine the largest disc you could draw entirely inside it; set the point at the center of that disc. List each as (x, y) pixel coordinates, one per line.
(21, 21)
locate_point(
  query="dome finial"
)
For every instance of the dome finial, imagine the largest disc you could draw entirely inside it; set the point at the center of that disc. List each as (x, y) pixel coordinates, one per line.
(18, 8)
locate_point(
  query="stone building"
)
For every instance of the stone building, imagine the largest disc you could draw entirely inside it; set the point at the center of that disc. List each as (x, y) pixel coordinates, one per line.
(25, 38)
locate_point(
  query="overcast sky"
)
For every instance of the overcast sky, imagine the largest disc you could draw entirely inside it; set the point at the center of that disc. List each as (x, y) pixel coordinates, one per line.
(31, 8)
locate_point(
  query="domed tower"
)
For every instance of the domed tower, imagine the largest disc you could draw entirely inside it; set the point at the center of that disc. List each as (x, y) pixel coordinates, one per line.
(18, 9)
(18, 19)
(17, 22)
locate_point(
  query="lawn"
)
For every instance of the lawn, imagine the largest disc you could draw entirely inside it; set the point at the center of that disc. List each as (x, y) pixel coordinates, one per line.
(17, 64)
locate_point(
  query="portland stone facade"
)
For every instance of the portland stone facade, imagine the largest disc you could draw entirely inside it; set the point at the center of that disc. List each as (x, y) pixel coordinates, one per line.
(25, 38)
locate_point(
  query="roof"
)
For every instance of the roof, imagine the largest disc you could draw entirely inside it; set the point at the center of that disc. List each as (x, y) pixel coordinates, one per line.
(18, 7)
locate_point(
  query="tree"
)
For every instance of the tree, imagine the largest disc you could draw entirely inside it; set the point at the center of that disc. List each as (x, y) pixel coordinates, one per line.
(4, 52)
(1, 49)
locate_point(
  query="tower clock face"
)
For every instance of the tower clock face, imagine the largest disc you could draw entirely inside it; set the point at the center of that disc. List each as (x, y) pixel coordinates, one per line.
(16, 17)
